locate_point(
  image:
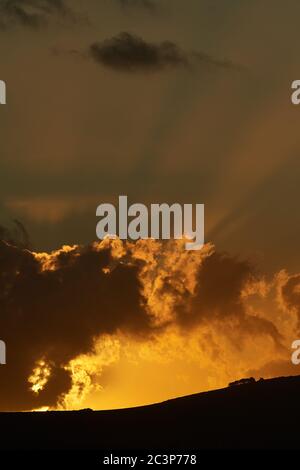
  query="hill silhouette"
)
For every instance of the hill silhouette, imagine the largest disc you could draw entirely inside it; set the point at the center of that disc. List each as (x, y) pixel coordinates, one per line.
(259, 415)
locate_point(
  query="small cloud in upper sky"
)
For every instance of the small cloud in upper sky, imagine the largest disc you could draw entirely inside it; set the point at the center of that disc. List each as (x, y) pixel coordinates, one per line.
(129, 52)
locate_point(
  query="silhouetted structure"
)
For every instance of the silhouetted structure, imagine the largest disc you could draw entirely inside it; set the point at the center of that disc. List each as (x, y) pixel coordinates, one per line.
(249, 380)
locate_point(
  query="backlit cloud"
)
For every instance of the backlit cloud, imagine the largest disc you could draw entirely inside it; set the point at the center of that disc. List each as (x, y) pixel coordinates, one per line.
(60, 309)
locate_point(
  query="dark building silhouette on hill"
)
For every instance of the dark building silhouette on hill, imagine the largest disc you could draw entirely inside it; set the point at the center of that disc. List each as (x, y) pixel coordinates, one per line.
(249, 380)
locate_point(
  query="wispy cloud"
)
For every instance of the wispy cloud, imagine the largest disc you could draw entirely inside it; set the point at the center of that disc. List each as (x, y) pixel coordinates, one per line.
(32, 14)
(146, 4)
(131, 53)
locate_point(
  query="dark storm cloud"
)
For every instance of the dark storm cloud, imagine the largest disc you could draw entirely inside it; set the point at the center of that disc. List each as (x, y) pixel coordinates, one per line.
(32, 13)
(55, 314)
(218, 298)
(132, 53)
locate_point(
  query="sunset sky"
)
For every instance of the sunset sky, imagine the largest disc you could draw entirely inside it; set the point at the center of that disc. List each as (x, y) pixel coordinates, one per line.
(163, 101)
